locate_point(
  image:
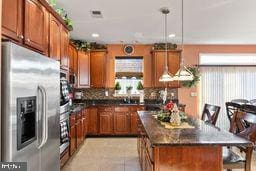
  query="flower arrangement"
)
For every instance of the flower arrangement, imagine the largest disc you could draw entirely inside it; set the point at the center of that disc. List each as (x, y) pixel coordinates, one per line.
(171, 114)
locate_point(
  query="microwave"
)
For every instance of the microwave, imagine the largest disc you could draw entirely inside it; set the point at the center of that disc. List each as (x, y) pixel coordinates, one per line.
(72, 79)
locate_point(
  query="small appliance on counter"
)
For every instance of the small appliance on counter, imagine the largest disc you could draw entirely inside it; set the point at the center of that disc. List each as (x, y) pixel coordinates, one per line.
(79, 95)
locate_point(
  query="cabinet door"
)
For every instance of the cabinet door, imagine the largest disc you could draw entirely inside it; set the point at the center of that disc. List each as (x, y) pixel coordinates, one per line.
(71, 54)
(173, 62)
(79, 134)
(174, 65)
(158, 67)
(85, 128)
(55, 38)
(64, 61)
(98, 69)
(36, 23)
(106, 122)
(93, 121)
(83, 70)
(72, 139)
(121, 123)
(134, 123)
(12, 22)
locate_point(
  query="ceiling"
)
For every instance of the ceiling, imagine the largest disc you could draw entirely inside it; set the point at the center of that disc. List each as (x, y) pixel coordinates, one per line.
(139, 21)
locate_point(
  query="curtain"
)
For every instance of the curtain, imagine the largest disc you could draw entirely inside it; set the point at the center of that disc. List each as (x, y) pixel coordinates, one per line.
(222, 84)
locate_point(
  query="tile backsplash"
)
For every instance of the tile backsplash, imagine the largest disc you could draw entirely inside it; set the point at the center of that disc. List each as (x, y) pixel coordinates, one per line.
(149, 93)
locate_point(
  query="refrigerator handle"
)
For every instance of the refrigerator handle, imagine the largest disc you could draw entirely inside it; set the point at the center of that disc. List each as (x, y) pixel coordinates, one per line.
(41, 89)
(45, 114)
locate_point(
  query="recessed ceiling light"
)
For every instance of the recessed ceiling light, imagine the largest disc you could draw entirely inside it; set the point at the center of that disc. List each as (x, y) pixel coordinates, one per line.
(95, 35)
(172, 35)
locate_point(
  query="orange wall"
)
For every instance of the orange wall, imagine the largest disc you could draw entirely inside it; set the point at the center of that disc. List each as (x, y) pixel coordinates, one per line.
(191, 56)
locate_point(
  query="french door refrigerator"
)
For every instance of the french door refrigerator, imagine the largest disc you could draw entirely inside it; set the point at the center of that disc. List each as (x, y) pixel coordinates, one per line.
(30, 108)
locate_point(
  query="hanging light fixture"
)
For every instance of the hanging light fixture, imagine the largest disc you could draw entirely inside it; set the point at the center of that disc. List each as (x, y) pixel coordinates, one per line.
(166, 76)
(183, 74)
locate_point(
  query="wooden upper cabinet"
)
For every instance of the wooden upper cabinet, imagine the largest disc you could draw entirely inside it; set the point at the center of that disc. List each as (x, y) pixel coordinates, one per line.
(174, 65)
(98, 69)
(12, 19)
(71, 54)
(55, 38)
(83, 69)
(36, 25)
(64, 61)
(173, 61)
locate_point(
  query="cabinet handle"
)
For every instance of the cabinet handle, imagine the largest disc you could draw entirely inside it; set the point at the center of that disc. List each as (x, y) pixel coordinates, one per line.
(21, 37)
(28, 40)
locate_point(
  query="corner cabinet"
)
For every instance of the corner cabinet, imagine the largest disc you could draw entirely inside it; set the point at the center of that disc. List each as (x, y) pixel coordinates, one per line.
(98, 68)
(83, 69)
(159, 63)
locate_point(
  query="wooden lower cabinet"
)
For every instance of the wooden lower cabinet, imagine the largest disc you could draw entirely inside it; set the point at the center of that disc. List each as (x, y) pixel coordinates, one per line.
(113, 120)
(85, 122)
(72, 146)
(106, 122)
(121, 123)
(134, 123)
(79, 132)
(93, 121)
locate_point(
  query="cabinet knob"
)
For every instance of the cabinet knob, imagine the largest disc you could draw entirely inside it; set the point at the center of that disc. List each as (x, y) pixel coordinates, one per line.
(28, 40)
(21, 37)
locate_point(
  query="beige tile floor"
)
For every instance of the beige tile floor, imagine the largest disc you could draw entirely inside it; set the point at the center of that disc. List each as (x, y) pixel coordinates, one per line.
(110, 154)
(105, 154)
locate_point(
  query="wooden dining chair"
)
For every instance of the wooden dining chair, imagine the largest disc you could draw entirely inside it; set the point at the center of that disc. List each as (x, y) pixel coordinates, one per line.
(240, 101)
(231, 158)
(253, 102)
(248, 108)
(231, 108)
(210, 113)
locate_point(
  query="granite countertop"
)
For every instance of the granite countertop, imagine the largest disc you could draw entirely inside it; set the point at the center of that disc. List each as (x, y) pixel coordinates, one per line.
(201, 134)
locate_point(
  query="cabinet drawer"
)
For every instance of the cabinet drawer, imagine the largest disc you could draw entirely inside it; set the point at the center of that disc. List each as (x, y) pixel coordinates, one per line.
(72, 119)
(121, 109)
(107, 109)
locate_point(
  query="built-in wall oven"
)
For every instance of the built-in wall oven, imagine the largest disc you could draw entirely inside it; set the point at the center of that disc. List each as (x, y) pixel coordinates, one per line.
(64, 131)
(64, 112)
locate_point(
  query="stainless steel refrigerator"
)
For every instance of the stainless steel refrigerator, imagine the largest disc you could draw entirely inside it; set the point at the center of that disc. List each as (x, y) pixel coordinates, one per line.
(30, 108)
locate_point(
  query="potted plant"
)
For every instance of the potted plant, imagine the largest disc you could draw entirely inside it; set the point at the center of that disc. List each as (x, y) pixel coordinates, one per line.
(117, 87)
(140, 87)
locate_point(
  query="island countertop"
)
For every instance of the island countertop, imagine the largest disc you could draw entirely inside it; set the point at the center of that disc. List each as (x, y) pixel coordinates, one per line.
(201, 134)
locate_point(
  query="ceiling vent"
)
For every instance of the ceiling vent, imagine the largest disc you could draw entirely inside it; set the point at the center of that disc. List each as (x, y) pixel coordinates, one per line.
(96, 14)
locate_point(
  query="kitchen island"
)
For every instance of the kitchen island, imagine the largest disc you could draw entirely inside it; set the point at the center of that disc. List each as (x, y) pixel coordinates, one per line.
(195, 148)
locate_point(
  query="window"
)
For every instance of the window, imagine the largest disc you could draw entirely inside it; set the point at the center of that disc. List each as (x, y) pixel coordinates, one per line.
(220, 84)
(128, 73)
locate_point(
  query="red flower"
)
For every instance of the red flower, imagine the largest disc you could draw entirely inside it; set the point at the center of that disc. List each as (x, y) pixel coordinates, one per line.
(170, 105)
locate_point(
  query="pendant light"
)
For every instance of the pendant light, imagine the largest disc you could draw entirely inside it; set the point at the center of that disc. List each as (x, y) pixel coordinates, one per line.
(166, 76)
(183, 73)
